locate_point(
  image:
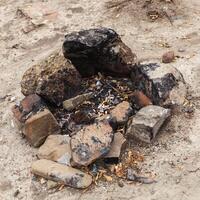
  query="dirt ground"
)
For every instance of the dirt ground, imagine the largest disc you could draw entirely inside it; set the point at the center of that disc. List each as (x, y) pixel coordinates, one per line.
(174, 158)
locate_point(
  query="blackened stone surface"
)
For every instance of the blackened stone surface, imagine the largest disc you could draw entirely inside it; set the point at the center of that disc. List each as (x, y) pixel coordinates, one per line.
(97, 50)
(144, 126)
(157, 81)
(55, 79)
(91, 143)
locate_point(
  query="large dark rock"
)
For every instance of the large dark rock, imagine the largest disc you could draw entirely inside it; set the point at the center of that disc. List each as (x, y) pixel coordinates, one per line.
(98, 50)
(54, 78)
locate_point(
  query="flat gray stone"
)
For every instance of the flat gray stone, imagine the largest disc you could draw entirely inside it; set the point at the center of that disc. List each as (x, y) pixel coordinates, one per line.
(56, 148)
(145, 125)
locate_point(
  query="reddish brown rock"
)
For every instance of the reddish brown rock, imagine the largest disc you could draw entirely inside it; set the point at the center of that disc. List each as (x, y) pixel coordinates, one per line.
(55, 79)
(121, 112)
(168, 57)
(140, 99)
(56, 148)
(39, 126)
(27, 107)
(90, 143)
(61, 173)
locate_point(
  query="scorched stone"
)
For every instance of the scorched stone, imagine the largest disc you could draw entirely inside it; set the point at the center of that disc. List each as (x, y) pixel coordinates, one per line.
(99, 50)
(55, 79)
(91, 143)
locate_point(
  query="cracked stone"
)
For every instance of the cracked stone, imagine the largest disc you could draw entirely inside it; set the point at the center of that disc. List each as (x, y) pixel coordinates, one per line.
(160, 82)
(56, 148)
(146, 124)
(55, 79)
(99, 50)
(90, 143)
(61, 173)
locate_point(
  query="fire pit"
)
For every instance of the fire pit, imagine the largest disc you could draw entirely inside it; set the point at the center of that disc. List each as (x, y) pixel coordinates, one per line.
(82, 107)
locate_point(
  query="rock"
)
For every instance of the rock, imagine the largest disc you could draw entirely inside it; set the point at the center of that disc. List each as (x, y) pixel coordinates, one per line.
(39, 126)
(159, 81)
(139, 99)
(121, 112)
(51, 184)
(90, 143)
(131, 176)
(99, 50)
(55, 79)
(56, 148)
(27, 107)
(61, 173)
(168, 57)
(145, 125)
(117, 146)
(71, 104)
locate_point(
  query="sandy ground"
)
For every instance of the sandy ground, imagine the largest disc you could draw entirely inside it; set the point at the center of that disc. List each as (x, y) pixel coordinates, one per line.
(174, 157)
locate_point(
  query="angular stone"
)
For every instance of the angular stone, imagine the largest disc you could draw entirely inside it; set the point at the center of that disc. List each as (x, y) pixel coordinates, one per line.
(61, 173)
(117, 146)
(145, 125)
(55, 79)
(99, 50)
(39, 126)
(27, 107)
(122, 112)
(168, 57)
(157, 81)
(56, 148)
(71, 104)
(90, 143)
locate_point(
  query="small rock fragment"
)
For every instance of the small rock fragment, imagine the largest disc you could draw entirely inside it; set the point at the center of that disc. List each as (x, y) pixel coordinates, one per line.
(99, 50)
(71, 104)
(139, 99)
(51, 184)
(55, 79)
(168, 57)
(145, 125)
(159, 81)
(117, 146)
(56, 148)
(39, 126)
(131, 176)
(61, 173)
(92, 142)
(121, 112)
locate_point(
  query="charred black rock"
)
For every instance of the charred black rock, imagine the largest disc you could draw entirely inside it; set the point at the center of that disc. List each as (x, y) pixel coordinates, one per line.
(98, 50)
(163, 84)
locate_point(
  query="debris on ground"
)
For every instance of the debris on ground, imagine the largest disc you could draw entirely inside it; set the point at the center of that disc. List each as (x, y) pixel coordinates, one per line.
(88, 104)
(145, 125)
